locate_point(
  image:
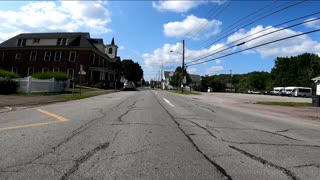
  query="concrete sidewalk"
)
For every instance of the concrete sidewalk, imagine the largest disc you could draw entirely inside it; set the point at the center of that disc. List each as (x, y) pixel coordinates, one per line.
(10, 102)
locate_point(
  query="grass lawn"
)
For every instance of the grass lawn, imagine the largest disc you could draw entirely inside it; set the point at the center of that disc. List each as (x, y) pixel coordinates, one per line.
(293, 104)
(184, 92)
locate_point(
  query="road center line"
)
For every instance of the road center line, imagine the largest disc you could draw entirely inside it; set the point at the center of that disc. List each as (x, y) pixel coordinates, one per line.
(28, 125)
(59, 118)
(167, 101)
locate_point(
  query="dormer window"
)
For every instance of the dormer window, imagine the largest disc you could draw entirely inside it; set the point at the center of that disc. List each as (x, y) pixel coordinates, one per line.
(21, 42)
(110, 50)
(36, 41)
(62, 41)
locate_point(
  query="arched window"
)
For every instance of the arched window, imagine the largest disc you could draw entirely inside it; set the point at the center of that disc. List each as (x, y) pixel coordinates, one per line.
(110, 50)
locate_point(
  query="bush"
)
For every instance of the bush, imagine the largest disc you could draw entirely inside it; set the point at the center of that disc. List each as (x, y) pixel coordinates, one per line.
(8, 86)
(100, 85)
(8, 74)
(48, 75)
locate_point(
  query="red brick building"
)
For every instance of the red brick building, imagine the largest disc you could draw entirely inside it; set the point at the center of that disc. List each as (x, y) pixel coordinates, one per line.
(26, 54)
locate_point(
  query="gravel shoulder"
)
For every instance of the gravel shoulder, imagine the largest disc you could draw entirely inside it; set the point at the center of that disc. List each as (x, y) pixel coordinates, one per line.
(248, 102)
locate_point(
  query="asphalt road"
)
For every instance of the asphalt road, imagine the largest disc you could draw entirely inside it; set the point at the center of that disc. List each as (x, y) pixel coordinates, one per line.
(152, 134)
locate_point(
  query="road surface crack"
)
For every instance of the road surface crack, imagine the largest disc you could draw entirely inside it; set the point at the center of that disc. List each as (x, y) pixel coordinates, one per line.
(307, 165)
(216, 165)
(289, 173)
(198, 125)
(271, 144)
(83, 159)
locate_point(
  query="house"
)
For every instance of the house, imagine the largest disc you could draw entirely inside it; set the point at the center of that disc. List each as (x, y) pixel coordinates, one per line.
(166, 78)
(67, 52)
(195, 80)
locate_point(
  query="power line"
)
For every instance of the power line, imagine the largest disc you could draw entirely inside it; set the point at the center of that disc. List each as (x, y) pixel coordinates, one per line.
(309, 32)
(239, 44)
(274, 12)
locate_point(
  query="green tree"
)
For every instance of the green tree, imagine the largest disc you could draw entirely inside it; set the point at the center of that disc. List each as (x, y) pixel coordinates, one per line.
(132, 71)
(176, 78)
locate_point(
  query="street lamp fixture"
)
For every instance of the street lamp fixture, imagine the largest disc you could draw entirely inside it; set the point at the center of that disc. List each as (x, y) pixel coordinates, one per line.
(182, 78)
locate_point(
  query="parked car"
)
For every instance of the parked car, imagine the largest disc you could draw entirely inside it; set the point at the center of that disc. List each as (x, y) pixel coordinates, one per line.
(129, 85)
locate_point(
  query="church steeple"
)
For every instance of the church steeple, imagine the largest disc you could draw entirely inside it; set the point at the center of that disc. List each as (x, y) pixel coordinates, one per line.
(111, 49)
(112, 42)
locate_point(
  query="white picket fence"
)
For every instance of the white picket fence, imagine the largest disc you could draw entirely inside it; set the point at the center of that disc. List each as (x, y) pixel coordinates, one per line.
(32, 85)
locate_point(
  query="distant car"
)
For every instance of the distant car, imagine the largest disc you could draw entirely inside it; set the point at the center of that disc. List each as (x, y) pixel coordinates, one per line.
(266, 92)
(129, 85)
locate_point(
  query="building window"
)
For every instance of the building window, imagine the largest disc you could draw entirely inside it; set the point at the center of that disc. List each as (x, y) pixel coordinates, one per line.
(62, 42)
(110, 50)
(21, 42)
(14, 69)
(1, 56)
(30, 71)
(33, 56)
(57, 56)
(18, 56)
(70, 73)
(45, 69)
(55, 69)
(72, 56)
(93, 58)
(36, 41)
(47, 55)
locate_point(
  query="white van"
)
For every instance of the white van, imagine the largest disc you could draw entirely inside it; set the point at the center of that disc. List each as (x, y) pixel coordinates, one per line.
(277, 91)
(299, 91)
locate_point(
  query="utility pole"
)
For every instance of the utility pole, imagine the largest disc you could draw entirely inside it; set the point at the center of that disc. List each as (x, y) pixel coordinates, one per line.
(182, 66)
(231, 80)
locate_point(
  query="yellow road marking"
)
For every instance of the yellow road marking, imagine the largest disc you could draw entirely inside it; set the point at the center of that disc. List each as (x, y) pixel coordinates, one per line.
(28, 125)
(59, 118)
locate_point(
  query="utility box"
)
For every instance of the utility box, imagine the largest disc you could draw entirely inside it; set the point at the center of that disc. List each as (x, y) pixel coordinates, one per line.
(316, 101)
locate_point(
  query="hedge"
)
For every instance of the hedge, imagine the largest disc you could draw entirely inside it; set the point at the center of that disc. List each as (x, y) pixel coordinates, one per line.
(8, 86)
(8, 74)
(48, 75)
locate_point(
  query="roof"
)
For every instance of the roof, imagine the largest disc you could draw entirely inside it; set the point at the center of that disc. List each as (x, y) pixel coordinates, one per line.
(166, 74)
(112, 41)
(79, 39)
(195, 77)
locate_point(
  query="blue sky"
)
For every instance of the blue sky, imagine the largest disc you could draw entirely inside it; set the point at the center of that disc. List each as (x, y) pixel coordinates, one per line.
(146, 31)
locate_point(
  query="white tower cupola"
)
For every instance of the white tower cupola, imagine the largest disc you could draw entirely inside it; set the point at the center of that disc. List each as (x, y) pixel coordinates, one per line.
(111, 49)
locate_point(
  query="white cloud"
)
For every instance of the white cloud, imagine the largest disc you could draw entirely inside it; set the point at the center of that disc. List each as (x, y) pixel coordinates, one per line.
(214, 70)
(289, 47)
(313, 24)
(121, 47)
(180, 6)
(50, 16)
(176, 6)
(218, 61)
(192, 70)
(193, 27)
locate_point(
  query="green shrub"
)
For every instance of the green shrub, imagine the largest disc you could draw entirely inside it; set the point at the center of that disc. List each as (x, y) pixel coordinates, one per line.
(48, 75)
(100, 85)
(8, 86)
(8, 74)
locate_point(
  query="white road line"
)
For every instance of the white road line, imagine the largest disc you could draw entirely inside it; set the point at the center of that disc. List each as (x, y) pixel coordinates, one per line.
(167, 101)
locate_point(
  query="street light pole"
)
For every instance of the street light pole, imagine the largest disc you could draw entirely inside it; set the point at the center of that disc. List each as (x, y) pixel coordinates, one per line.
(182, 66)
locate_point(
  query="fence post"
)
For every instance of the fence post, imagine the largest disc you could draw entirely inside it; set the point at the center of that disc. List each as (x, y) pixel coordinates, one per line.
(29, 84)
(52, 83)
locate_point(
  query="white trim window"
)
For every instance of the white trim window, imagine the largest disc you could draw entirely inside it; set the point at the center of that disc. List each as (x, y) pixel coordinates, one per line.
(72, 56)
(56, 69)
(47, 55)
(45, 69)
(30, 71)
(70, 72)
(21, 42)
(33, 56)
(62, 41)
(36, 41)
(58, 56)
(18, 56)
(14, 69)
